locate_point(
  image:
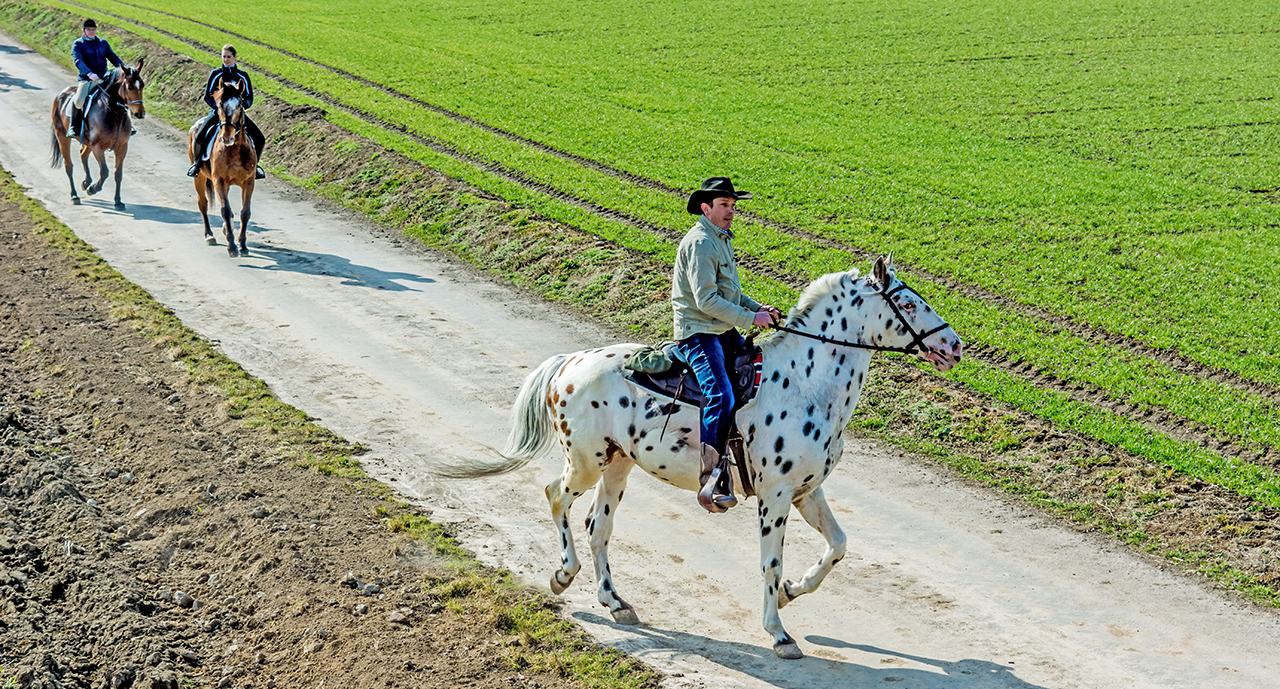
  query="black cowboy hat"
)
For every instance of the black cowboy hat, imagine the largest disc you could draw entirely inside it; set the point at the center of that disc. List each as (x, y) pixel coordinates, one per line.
(713, 188)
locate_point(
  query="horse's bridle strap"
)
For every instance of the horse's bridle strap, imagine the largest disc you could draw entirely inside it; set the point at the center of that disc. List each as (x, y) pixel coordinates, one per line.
(917, 339)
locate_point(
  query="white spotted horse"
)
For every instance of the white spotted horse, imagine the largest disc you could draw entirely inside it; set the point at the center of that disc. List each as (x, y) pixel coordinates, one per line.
(813, 375)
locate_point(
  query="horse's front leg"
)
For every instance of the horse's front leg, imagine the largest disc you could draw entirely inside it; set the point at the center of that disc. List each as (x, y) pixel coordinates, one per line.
(815, 510)
(577, 478)
(64, 147)
(224, 192)
(773, 511)
(246, 195)
(121, 151)
(600, 527)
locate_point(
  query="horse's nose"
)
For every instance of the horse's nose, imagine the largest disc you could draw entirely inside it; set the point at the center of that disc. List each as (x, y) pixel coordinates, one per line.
(957, 348)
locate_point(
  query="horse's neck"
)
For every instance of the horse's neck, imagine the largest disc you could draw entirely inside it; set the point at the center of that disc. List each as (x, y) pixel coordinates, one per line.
(820, 373)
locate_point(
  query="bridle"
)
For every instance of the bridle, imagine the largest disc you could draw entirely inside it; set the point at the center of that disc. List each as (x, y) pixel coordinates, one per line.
(917, 338)
(121, 104)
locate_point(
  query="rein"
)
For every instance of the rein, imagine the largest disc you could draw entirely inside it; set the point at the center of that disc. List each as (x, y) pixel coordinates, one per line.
(917, 338)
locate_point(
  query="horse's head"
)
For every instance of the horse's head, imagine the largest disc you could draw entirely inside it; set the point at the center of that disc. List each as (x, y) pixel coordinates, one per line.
(229, 97)
(912, 323)
(129, 84)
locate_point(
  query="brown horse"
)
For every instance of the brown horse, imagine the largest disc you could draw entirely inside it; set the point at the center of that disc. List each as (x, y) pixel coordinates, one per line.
(232, 161)
(105, 128)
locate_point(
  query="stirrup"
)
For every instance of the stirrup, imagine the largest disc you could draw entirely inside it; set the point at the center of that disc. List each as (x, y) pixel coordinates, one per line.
(259, 174)
(194, 169)
(717, 493)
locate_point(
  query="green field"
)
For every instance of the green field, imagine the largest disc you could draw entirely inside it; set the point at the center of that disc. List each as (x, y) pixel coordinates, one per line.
(1089, 190)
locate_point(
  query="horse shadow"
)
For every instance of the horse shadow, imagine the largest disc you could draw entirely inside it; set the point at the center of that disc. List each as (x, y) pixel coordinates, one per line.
(13, 50)
(351, 274)
(813, 670)
(163, 214)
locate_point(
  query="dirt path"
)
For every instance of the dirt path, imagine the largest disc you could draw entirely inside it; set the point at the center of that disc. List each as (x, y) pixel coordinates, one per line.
(417, 358)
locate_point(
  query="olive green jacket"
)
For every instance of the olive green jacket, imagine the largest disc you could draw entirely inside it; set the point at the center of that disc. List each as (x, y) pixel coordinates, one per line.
(705, 293)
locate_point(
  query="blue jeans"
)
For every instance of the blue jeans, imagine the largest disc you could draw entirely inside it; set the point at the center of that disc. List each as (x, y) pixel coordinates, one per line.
(705, 354)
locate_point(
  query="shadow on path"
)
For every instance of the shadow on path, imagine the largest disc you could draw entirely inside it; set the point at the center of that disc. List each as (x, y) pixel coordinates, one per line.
(164, 214)
(308, 263)
(8, 83)
(812, 671)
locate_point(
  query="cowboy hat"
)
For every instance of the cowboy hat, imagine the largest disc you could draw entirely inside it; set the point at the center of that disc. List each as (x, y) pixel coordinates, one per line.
(713, 188)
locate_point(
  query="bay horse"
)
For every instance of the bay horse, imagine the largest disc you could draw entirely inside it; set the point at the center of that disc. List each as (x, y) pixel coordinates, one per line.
(105, 127)
(233, 161)
(812, 377)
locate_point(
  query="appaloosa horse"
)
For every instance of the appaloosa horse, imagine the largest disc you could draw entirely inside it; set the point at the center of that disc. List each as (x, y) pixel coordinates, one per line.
(232, 161)
(105, 128)
(813, 375)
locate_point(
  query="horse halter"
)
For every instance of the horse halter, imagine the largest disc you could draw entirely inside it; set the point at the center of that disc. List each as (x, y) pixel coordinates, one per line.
(917, 338)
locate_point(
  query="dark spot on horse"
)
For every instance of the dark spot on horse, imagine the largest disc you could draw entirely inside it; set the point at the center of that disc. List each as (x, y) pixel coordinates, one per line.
(786, 466)
(810, 411)
(631, 430)
(606, 509)
(786, 383)
(779, 521)
(624, 402)
(774, 564)
(675, 449)
(808, 478)
(844, 325)
(811, 354)
(824, 327)
(648, 448)
(783, 415)
(777, 444)
(610, 355)
(808, 428)
(766, 531)
(606, 585)
(777, 460)
(816, 433)
(774, 377)
(768, 419)
(595, 404)
(568, 389)
(662, 467)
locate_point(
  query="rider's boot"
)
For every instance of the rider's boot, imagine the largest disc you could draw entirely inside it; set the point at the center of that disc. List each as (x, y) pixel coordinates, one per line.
(194, 169)
(259, 174)
(717, 483)
(77, 118)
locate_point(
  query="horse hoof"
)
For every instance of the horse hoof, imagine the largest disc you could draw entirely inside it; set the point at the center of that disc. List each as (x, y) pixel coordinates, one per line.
(231, 251)
(244, 250)
(557, 587)
(788, 650)
(210, 241)
(626, 616)
(119, 206)
(84, 185)
(75, 200)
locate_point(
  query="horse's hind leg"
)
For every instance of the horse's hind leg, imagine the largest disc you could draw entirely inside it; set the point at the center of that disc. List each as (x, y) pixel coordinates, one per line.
(600, 528)
(87, 182)
(575, 480)
(813, 507)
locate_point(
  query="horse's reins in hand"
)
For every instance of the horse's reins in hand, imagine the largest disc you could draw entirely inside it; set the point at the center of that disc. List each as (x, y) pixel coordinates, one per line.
(917, 338)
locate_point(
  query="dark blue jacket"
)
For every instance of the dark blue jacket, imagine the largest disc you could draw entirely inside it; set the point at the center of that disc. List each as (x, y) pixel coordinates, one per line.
(91, 56)
(228, 74)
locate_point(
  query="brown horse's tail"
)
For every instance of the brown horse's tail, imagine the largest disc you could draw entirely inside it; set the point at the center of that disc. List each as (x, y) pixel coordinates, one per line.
(55, 153)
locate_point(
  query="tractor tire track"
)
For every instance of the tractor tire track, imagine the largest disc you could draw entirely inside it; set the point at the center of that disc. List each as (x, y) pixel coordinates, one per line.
(1159, 421)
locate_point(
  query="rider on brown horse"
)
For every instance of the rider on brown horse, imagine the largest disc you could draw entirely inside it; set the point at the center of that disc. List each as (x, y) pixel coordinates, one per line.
(91, 55)
(228, 72)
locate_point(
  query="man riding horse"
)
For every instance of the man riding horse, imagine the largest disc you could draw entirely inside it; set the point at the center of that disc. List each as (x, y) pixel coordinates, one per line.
(91, 55)
(709, 307)
(228, 72)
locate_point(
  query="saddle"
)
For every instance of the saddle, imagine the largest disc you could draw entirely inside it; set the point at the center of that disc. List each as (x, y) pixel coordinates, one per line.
(678, 384)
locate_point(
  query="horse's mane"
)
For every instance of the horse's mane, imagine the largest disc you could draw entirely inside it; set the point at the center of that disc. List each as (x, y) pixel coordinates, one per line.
(815, 292)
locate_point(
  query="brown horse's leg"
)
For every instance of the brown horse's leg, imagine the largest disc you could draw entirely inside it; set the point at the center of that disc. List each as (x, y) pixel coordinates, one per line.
(204, 188)
(87, 182)
(246, 195)
(62, 148)
(121, 150)
(224, 189)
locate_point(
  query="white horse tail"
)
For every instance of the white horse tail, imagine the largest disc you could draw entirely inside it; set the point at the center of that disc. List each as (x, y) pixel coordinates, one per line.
(530, 419)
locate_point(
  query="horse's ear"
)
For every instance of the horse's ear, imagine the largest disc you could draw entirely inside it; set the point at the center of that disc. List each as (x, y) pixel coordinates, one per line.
(139, 67)
(881, 271)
